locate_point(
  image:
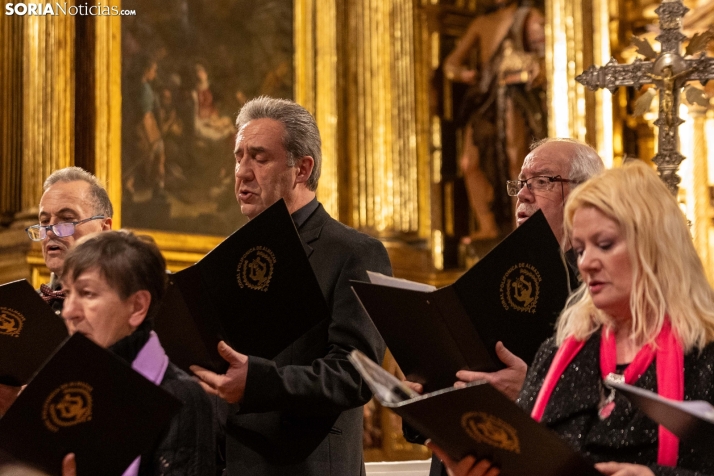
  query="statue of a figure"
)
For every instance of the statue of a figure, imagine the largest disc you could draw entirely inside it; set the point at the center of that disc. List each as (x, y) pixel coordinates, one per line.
(504, 109)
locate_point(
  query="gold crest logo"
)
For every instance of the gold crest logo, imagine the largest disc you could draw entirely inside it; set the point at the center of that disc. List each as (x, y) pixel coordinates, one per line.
(520, 288)
(11, 322)
(255, 268)
(491, 430)
(68, 405)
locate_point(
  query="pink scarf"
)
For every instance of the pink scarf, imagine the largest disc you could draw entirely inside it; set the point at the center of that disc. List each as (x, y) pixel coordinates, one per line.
(670, 377)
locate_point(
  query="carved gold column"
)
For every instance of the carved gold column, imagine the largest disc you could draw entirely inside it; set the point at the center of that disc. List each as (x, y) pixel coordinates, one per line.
(316, 86)
(304, 37)
(11, 34)
(700, 186)
(577, 36)
(709, 132)
(107, 106)
(694, 190)
(14, 245)
(602, 106)
(562, 26)
(48, 101)
(37, 104)
(422, 83)
(381, 116)
(37, 128)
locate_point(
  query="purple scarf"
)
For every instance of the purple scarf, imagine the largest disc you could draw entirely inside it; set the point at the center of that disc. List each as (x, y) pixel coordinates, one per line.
(151, 362)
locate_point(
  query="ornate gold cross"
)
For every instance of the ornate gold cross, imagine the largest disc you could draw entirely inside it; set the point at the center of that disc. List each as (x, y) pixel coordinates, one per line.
(669, 71)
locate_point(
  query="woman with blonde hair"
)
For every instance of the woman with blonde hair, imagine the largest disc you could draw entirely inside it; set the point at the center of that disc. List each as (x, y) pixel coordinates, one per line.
(644, 314)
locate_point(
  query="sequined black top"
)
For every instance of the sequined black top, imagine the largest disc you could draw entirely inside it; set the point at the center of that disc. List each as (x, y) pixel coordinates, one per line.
(627, 435)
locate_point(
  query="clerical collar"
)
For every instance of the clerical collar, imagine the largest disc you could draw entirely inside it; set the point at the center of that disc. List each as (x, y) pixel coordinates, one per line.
(300, 216)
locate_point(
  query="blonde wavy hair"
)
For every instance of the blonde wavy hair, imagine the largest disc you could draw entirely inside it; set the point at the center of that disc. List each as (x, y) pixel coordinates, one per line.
(667, 276)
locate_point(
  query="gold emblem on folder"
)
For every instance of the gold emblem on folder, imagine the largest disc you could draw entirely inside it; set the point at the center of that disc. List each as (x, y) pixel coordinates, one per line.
(68, 405)
(255, 268)
(486, 428)
(11, 322)
(520, 288)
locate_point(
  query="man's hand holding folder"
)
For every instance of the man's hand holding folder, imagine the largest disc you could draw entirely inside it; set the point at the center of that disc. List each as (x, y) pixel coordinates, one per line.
(508, 381)
(513, 296)
(231, 385)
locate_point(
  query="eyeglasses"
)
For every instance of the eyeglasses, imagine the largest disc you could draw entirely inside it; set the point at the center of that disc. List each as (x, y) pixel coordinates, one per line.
(39, 232)
(539, 183)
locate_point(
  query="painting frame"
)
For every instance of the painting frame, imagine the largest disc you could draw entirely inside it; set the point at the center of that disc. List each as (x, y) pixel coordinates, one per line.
(313, 50)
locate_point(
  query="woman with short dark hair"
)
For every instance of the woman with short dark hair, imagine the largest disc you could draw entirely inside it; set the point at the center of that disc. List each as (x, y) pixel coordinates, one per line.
(114, 282)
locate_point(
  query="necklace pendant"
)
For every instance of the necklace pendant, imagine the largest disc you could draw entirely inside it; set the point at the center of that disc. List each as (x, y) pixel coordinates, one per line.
(607, 404)
(606, 410)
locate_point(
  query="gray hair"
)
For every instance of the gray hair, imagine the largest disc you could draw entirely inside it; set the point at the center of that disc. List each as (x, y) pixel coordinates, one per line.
(100, 198)
(584, 163)
(302, 138)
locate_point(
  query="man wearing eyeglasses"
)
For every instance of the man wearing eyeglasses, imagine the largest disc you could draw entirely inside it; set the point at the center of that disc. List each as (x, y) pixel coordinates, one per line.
(552, 169)
(74, 204)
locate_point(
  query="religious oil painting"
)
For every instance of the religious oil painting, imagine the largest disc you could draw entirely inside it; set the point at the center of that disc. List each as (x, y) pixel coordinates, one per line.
(187, 68)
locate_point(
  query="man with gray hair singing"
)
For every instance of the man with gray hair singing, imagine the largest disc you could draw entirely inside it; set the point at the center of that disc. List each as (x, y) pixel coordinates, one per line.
(301, 413)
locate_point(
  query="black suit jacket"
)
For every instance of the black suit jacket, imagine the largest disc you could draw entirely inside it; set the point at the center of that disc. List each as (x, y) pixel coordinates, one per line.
(302, 412)
(187, 445)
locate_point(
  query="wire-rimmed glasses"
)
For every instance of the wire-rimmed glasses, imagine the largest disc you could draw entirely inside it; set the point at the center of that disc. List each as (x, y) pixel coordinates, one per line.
(539, 183)
(39, 232)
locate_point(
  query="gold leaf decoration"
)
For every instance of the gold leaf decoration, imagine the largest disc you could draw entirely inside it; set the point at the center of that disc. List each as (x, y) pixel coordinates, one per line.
(644, 48)
(696, 96)
(643, 103)
(699, 42)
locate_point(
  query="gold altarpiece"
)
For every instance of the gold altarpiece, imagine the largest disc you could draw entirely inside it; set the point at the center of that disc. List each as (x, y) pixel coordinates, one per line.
(370, 72)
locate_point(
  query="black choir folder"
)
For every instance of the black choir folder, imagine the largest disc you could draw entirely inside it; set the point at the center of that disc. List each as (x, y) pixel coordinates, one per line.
(514, 294)
(688, 420)
(476, 420)
(256, 290)
(87, 401)
(30, 331)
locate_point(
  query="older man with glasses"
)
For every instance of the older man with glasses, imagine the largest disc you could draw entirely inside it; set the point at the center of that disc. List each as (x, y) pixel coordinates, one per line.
(74, 204)
(552, 169)
(549, 172)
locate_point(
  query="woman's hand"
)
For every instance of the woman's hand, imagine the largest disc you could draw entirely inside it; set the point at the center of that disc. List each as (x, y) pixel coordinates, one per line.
(468, 466)
(612, 468)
